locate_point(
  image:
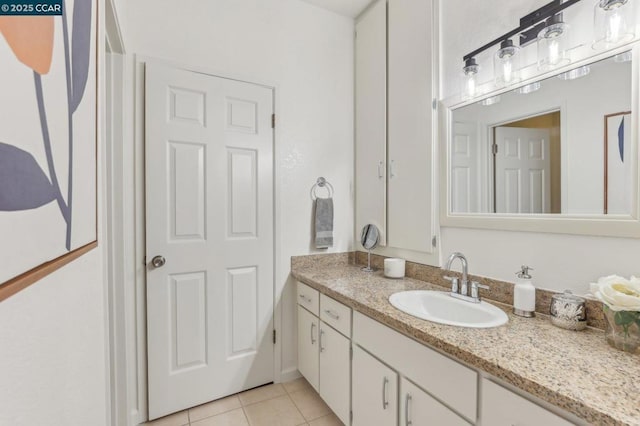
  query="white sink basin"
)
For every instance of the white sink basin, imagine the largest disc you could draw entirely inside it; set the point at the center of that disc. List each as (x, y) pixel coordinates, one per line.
(440, 307)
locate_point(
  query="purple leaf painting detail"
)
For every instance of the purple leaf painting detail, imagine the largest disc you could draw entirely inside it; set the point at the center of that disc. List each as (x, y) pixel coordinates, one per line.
(23, 184)
(80, 50)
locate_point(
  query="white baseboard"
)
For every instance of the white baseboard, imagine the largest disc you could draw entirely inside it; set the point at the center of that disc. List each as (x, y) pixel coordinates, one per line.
(289, 374)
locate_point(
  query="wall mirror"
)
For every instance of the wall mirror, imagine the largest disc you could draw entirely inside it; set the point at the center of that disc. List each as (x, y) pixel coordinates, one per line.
(557, 154)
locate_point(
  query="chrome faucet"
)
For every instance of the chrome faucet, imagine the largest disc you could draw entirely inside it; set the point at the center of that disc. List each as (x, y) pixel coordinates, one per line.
(460, 289)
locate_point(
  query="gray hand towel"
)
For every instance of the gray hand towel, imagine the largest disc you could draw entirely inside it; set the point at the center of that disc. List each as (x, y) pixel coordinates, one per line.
(324, 222)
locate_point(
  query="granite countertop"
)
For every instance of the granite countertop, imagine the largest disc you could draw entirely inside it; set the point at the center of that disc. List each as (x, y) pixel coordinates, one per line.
(576, 371)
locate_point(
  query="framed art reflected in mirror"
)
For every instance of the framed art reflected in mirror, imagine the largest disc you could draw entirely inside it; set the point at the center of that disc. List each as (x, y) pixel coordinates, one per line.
(617, 171)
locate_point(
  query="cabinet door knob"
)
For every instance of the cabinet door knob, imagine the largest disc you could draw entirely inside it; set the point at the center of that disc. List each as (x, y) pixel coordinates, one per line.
(392, 169)
(313, 341)
(380, 169)
(321, 347)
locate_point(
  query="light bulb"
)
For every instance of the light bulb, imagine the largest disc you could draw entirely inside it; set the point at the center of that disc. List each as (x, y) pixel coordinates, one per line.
(507, 71)
(471, 85)
(614, 27)
(554, 51)
(470, 71)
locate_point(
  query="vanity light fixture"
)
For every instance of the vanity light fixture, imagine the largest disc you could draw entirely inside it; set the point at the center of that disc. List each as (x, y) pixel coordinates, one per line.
(546, 22)
(506, 63)
(529, 88)
(575, 73)
(613, 22)
(553, 44)
(470, 71)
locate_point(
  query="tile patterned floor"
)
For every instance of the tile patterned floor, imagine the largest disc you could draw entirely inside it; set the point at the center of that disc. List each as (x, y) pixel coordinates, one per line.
(289, 404)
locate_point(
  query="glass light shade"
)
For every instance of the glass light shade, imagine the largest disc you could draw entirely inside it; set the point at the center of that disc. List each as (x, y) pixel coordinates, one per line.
(575, 73)
(623, 57)
(529, 88)
(469, 79)
(613, 22)
(506, 64)
(553, 43)
(490, 101)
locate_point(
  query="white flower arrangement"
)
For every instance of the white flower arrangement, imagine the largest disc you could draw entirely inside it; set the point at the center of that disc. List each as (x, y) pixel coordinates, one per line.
(618, 293)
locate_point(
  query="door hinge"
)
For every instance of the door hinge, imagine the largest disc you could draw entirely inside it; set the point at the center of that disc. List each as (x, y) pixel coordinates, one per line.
(351, 416)
(434, 104)
(144, 261)
(494, 148)
(273, 121)
(434, 241)
(351, 353)
(274, 337)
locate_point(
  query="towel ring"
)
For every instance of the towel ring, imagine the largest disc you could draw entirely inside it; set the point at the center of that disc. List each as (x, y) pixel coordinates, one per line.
(321, 183)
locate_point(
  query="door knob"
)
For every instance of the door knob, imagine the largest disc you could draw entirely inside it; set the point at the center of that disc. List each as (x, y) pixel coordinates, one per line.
(158, 261)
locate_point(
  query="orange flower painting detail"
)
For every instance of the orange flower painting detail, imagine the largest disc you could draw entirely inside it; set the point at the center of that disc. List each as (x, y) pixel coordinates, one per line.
(30, 39)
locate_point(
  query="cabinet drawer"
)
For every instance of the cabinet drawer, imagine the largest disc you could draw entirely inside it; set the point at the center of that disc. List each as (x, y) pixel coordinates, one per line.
(445, 379)
(501, 407)
(309, 298)
(335, 314)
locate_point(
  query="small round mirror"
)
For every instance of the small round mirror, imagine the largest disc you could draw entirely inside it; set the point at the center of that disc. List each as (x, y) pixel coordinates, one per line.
(370, 237)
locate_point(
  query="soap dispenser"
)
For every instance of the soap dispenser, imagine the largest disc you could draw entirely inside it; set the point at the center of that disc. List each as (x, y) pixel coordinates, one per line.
(524, 294)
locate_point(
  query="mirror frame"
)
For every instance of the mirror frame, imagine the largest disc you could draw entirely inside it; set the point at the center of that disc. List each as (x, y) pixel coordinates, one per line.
(599, 225)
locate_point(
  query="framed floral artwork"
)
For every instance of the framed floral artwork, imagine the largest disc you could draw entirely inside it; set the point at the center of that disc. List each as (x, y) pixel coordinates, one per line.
(48, 135)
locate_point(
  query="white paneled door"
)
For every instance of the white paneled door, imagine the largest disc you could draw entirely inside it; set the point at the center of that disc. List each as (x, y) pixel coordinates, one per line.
(523, 170)
(209, 210)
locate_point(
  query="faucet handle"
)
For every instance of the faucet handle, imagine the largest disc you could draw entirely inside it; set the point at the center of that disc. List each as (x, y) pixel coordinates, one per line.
(454, 283)
(475, 285)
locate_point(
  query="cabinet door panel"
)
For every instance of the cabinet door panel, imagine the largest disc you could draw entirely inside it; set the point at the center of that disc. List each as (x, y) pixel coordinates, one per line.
(335, 371)
(371, 118)
(308, 355)
(501, 407)
(419, 408)
(375, 391)
(410, 130)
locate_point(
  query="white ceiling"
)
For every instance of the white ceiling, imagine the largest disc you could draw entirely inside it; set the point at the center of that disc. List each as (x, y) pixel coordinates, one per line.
(351, 8)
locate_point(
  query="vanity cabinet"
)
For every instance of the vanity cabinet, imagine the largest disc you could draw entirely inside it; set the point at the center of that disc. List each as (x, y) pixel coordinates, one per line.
(501, 407)
(394, 123)
(375, 391)
(374, 375)
(324, 348)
